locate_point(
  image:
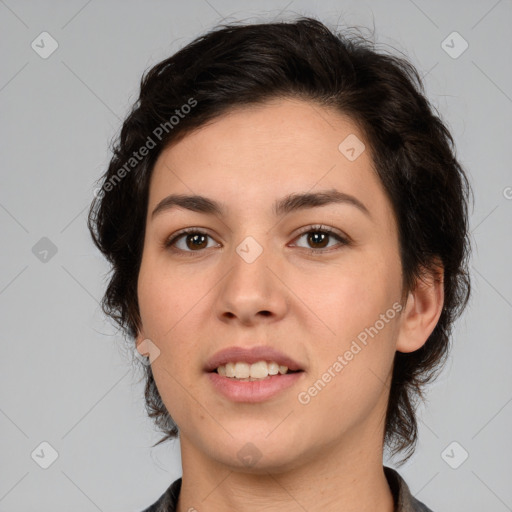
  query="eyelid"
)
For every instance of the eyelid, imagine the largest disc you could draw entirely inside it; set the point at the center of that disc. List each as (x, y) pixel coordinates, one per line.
(322, 227)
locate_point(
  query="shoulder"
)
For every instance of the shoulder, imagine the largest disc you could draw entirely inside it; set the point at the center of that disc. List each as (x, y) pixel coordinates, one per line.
(168, 500)
(404, 500)
(418, 506)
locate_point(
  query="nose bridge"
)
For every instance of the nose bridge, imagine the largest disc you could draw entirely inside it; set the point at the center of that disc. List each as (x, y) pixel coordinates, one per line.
(250, 288)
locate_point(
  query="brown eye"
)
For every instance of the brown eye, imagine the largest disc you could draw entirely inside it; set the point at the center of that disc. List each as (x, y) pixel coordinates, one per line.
(197, 241)
(189, 241)
(318, 239)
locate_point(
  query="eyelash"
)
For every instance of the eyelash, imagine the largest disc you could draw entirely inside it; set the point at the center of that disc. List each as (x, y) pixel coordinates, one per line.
(344, 241)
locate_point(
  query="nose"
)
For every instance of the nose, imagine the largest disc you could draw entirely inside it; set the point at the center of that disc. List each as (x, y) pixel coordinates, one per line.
(251, 292)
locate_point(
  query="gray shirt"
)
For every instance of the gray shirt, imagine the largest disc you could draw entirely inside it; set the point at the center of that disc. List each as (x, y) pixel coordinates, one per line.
(404, 500)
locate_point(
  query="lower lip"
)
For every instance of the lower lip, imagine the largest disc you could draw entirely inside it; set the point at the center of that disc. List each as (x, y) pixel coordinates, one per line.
(253, 391)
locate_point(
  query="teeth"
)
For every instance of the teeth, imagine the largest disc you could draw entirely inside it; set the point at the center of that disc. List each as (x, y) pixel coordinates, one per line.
(273, 368)
(255, 371)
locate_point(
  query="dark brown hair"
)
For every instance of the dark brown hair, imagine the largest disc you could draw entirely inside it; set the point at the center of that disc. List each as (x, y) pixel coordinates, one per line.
(411, 148)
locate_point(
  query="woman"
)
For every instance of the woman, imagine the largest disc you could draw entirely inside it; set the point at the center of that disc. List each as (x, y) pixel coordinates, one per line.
(287, 225)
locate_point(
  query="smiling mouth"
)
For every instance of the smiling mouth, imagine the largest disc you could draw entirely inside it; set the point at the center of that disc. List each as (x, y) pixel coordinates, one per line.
(253, 383)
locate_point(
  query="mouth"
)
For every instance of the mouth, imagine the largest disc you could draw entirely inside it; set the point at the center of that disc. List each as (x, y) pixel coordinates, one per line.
(253, 375)
(248, 389)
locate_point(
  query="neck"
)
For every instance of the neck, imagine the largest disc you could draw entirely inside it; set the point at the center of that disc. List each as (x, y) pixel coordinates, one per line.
(335, 478)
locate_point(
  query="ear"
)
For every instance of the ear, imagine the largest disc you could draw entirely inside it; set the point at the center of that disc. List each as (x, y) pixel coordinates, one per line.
(141, 344)
(422, 310)
(146, 347)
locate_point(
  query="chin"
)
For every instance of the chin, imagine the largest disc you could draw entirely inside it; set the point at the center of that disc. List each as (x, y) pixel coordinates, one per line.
(255, 453)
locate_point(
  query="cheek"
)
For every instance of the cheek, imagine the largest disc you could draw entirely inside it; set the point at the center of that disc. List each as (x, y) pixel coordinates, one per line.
(165, 309)
(351, 296)
(349, 378)
(163, 299)
(168, 304)
(358, 303)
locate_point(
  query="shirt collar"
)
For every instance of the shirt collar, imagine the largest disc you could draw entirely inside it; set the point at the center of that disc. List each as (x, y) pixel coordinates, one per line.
(404, 500)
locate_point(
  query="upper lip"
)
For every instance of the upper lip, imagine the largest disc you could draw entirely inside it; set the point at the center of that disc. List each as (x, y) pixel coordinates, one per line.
(250, 355)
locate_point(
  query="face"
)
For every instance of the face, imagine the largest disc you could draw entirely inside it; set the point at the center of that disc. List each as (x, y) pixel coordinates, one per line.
(318, 281)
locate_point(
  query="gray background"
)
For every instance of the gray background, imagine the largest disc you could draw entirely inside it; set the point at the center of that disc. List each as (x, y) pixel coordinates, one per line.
(65, 376)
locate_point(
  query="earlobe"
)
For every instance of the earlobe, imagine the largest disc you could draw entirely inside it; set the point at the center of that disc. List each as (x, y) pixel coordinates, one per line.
(146, 347)
(422, 310)
(141, 344)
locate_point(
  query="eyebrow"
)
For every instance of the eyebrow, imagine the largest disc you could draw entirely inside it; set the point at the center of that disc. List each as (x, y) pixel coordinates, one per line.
(283, 206)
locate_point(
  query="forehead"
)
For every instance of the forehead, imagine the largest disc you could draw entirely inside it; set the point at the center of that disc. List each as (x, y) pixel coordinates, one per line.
(256, 154)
